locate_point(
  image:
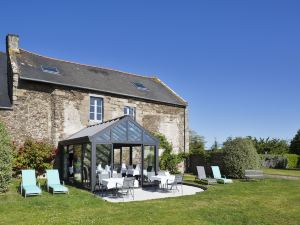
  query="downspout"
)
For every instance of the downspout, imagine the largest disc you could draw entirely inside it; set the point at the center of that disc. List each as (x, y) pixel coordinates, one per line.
(184, 130)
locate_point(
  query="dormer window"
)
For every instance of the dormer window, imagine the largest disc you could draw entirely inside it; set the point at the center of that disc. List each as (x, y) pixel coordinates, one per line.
(49, 69)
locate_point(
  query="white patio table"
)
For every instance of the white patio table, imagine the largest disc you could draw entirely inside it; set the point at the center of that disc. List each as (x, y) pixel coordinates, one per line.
(112, 183)
(163, 179)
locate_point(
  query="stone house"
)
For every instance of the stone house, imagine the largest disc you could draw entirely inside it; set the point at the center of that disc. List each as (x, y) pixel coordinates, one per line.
(50, 99)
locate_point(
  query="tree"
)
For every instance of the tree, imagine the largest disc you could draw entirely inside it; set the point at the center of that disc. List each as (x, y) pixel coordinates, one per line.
(270, 146)
(295, 144)
(197, 143)
(215, 147)
(239, 155)
(6, 159)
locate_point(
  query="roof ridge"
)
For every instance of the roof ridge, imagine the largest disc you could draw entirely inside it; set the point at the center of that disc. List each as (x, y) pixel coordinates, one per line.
(87, 65)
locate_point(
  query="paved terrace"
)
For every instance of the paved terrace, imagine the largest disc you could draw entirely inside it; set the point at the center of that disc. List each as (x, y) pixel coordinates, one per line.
(150, 193)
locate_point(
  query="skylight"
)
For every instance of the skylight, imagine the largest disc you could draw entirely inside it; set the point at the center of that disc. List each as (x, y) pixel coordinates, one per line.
(50, 69)
(140, 86)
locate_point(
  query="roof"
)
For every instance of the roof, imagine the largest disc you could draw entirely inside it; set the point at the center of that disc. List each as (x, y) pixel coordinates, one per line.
(4, 97)
(123, 130)
(95, 78)
(91, 130)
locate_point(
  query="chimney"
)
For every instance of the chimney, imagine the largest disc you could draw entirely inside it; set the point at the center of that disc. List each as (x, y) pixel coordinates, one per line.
(12, 49)
(12, 42)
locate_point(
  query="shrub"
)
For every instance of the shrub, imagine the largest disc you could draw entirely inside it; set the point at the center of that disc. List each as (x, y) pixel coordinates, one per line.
(292, 160)
(274, 161)
(168, 160)
(6, 151)
(295, 144)
(239, 155)
(36, 155)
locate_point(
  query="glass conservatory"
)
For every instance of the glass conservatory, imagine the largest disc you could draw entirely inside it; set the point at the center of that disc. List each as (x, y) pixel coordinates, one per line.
(113, 145)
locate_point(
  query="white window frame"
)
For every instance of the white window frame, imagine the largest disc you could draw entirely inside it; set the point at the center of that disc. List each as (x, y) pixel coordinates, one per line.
(95, 120)
(128, 111)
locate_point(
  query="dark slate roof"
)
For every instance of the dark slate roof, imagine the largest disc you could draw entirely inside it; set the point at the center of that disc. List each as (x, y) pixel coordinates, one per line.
(91, 130)
(119, 130)
(4, 98)
(95, 78)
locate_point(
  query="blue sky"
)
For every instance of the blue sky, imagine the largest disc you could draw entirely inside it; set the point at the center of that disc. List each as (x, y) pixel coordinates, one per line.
(237, 63)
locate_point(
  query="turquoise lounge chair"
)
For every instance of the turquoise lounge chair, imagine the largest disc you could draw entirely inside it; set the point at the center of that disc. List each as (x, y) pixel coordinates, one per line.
(53, 182)
(217, 175)
(28, 185)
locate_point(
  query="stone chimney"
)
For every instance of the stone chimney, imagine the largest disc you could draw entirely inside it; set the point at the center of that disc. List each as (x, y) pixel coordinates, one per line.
(12, 49)
(12, 42)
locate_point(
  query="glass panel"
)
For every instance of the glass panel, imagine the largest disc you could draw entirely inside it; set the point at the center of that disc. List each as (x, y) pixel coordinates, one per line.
(103, 155)
(148, 139)
(77, 163)
(126, 111)
(92, 109)
(117, 159)
(134, 132)
(99, 117)
(92, 101)
(149, 158)
(70, 163)
(65, 163)
(87, 165)
(136, 155)
(119, 132)
(92, 116)
(126, 155)
(105, 136)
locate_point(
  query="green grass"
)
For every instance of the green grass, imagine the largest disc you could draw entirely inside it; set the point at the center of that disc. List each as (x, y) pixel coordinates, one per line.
(286, 172)
(270, 201)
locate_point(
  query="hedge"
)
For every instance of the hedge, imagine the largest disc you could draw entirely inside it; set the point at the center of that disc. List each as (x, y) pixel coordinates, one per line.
(6, 159)
(280, 161)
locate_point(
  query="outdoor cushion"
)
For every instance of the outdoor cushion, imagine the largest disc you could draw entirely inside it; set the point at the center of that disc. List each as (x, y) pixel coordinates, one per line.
(59, 188)
(32, 190)
(224, 181)
(217, 175)
(54, 182)
(29, 183)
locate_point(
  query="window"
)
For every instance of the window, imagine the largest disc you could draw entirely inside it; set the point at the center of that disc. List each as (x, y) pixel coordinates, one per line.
(50, 69)
(96, 109)
(140, 86)
(129, 111)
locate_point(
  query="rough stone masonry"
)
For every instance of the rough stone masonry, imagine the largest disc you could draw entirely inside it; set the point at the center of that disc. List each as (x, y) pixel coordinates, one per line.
(53, 112)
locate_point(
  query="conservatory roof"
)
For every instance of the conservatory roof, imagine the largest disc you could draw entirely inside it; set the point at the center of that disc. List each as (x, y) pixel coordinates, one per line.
(123, 130)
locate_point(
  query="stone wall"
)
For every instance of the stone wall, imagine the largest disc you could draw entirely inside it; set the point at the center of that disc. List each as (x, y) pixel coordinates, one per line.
(52, 113)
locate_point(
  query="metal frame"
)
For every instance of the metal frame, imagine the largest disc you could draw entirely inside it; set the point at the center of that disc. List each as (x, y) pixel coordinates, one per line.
(93, 141)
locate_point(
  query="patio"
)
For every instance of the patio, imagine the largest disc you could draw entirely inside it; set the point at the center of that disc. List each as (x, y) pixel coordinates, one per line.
(150, 193)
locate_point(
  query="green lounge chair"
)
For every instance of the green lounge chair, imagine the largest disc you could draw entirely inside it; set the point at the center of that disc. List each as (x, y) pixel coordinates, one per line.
(28, 185)
(53, 182)
(217, 175)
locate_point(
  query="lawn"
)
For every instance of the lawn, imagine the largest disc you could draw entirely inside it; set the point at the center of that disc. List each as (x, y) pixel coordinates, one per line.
(285, 172)
(270, 201)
